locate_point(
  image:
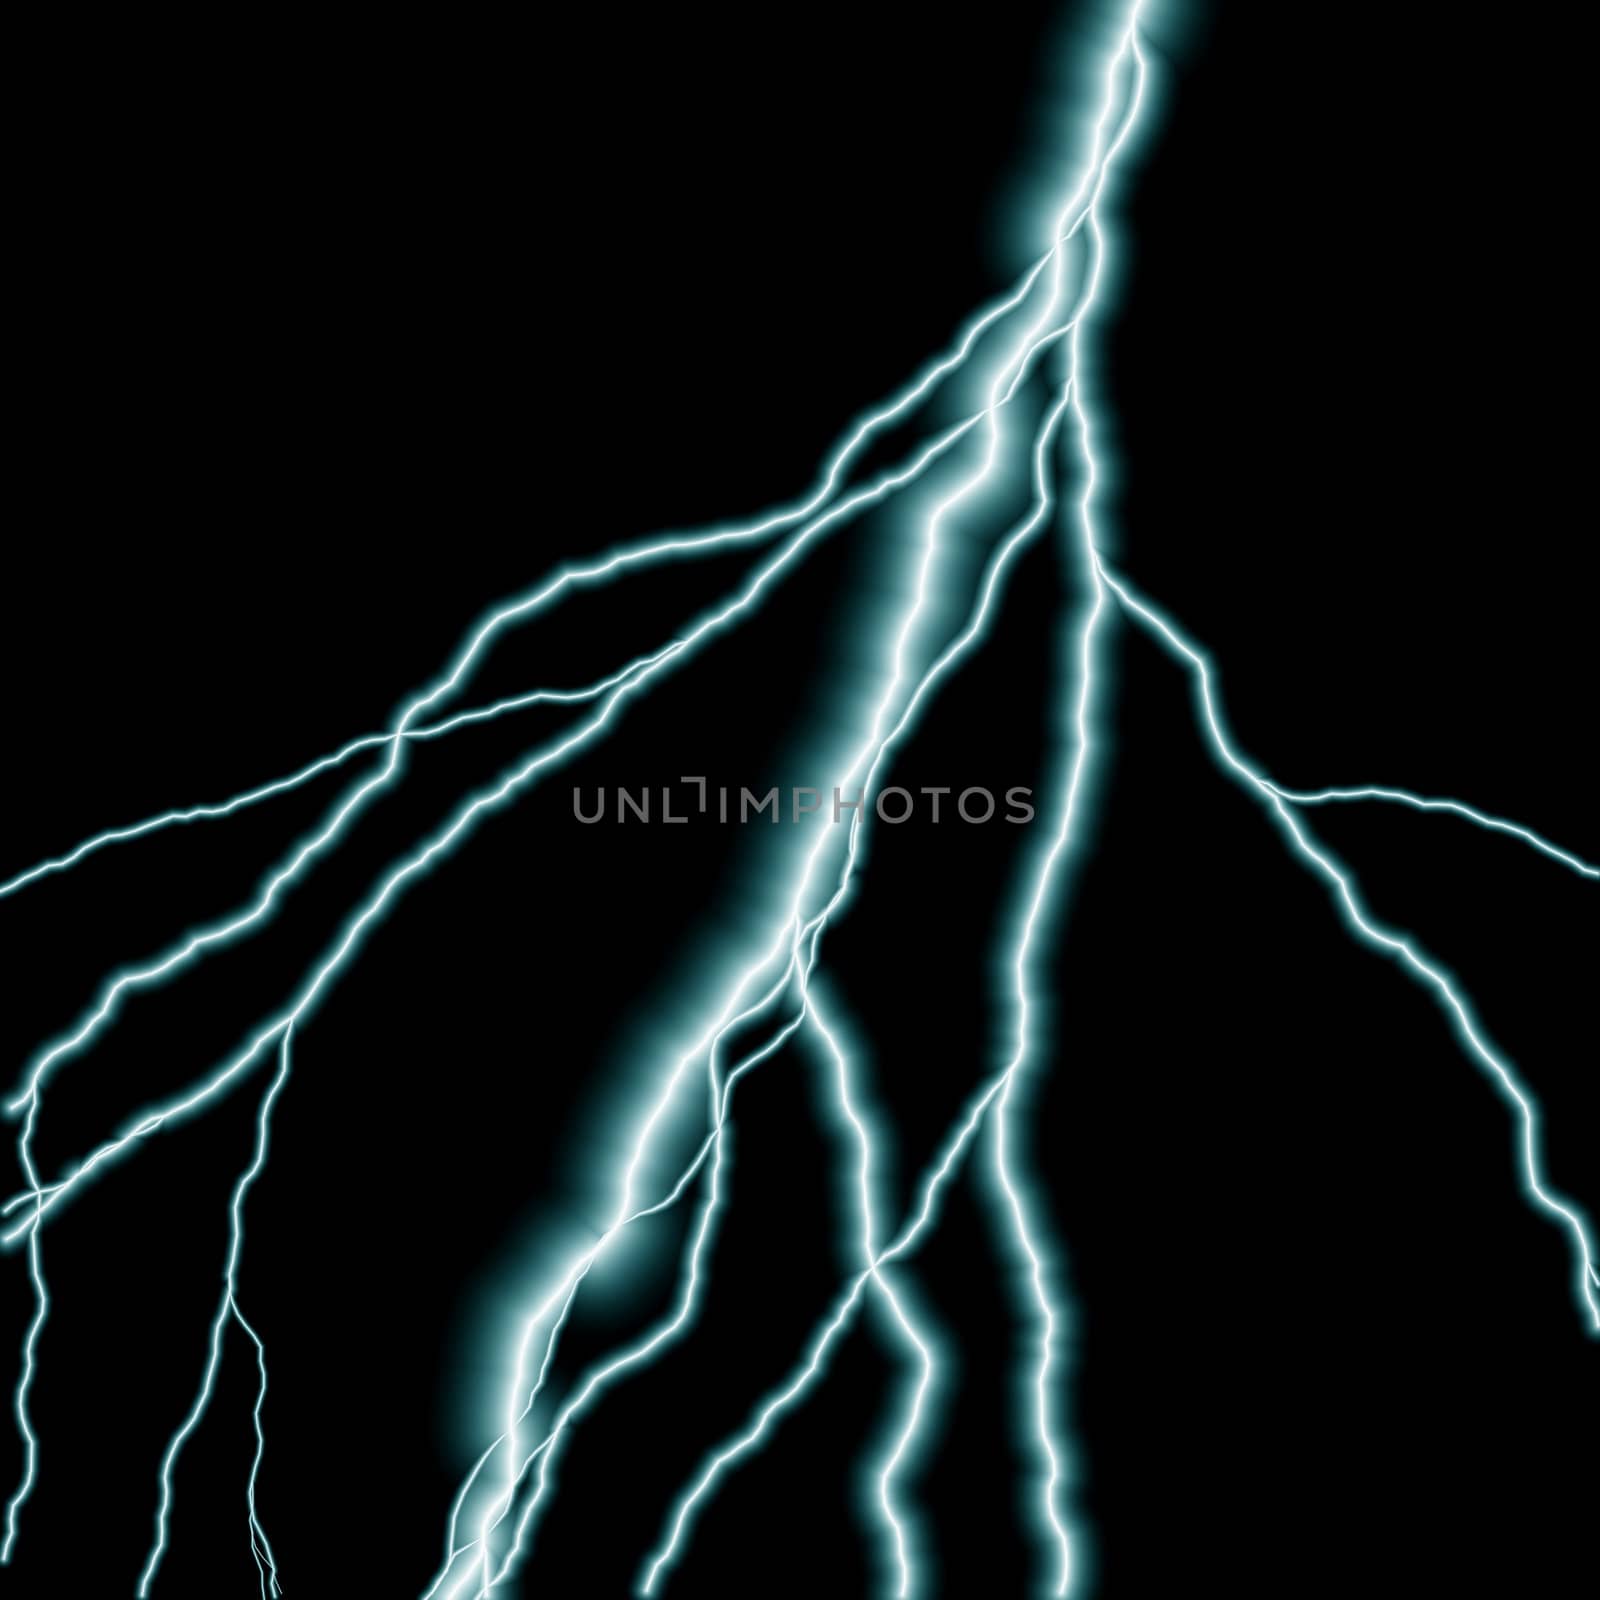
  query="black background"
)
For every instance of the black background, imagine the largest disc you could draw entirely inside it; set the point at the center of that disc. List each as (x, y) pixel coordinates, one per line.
(328, 342)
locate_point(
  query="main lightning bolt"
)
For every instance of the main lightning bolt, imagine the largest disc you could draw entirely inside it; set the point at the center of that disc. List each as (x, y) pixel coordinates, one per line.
(996, 1097)
(1042, 321)
(1078, 211)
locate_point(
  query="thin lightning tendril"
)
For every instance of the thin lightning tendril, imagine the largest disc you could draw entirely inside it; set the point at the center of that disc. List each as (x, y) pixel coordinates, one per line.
(226, 1310)
(1404, 797)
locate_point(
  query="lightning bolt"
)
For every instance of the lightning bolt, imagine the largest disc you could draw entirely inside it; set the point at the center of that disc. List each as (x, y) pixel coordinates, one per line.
(1080, 210)
(46, 1198)
(1402, 948)
(996, 1096)
(1043, 322)
(612, 691)
(1457, 808)
(226, 1309)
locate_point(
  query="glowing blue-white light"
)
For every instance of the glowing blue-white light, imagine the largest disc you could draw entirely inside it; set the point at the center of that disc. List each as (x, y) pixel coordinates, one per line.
(493, 1521)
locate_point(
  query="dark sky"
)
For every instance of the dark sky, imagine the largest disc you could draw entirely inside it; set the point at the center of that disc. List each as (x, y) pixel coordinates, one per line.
(329, 338)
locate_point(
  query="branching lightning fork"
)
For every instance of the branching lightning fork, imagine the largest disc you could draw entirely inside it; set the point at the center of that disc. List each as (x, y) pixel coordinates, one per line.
(513, 1481)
